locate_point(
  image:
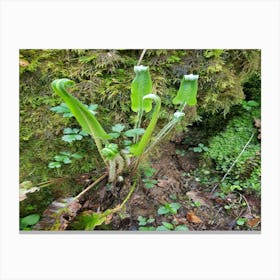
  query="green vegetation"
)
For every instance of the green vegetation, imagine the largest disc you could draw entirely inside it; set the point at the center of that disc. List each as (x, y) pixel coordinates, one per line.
(169, 208)
(116, 121)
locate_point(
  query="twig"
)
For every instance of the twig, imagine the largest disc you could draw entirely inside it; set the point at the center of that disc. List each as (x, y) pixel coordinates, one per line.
(90, 186)
(244, 198)
(141, 57)
(235, 161)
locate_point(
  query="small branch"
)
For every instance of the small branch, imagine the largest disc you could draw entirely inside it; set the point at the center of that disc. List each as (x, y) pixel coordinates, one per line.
(244, 198)
(90, 186)
(235, 161)
(141, 57)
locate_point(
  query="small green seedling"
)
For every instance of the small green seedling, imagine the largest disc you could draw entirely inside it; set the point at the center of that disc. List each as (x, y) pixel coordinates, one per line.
(168, 226)
(142, 221)
(169, 208)
(63, 157)
(149, 183)
(241, 221)
(73, 134)
(200, 148)
(181, 153)
(116, 130)
(27, 222)
(66, 113)
(196, 204)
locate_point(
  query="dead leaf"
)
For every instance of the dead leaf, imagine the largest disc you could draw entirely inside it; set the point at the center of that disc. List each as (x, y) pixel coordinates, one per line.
(164, 183)
(58, 215)
(253, 222)
(193, 218)
(25, 188)
(23, 62)
(196, 196)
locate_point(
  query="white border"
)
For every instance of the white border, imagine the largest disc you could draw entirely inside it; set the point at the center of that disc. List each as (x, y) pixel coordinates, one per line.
(135, 24)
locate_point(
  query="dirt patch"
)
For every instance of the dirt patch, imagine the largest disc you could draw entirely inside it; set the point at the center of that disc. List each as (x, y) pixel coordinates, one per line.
(199, 209)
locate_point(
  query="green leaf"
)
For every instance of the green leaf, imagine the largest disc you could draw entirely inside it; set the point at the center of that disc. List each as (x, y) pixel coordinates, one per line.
(68, 130)
(127, 142)
(93, 107)
(241, 221)
(54, 164)
(83, 133)
(62, 108)
(162, 228)
(168, 225)
(71, 137)
(110, 151)
(133, 132)
(174, 207)
(181, 228)
(138, 148)
(253, 103)
(29, 220)
(150, 220)
(60, 158)
(142, 221)
(76, 156)
(82, 114)
(197, 149)
(187, 91)
(114, 135)
(90, 221)
(65, 153)
(146, 228)
(149, 171)
(67, 160)
(141, 86)
(149, 183)
(163, 210)
(118, 127)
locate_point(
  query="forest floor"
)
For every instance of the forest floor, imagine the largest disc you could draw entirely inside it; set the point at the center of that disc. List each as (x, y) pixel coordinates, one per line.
(201, 208)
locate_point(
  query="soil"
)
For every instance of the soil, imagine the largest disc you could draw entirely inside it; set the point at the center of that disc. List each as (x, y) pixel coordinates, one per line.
(201, 209)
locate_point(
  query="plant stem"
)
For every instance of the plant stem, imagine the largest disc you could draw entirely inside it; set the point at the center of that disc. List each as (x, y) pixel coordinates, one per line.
(141, 57)
(129, 194)
(138, 124)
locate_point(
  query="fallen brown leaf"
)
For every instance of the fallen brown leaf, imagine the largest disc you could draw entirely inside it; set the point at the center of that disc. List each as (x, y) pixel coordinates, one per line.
(197, 196)
(193, 218)
(253, 222)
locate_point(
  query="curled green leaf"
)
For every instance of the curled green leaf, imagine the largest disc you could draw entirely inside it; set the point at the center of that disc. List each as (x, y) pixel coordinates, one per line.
(141, 86)
(139, 147)
(187, 91)
(110, 151)
(83, 115)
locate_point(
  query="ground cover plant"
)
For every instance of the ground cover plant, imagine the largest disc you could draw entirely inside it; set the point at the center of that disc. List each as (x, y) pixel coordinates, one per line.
(123, 155)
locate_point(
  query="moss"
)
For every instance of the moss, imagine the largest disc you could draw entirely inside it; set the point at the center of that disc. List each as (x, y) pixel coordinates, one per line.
(104, 77)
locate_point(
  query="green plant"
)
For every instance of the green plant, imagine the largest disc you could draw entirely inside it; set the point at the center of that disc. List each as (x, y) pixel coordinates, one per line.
(142, 221)
(141, 101)
(27, 222)
(236, 154)
(196, 204)
(181, 153)
(168, 226)
(63, 157)
(241, 221)
(73, 134)
(127, 156)
(169, 208)
(200, 148)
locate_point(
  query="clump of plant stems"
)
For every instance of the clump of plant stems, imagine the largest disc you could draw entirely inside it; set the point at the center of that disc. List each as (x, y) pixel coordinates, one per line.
(126, 160)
